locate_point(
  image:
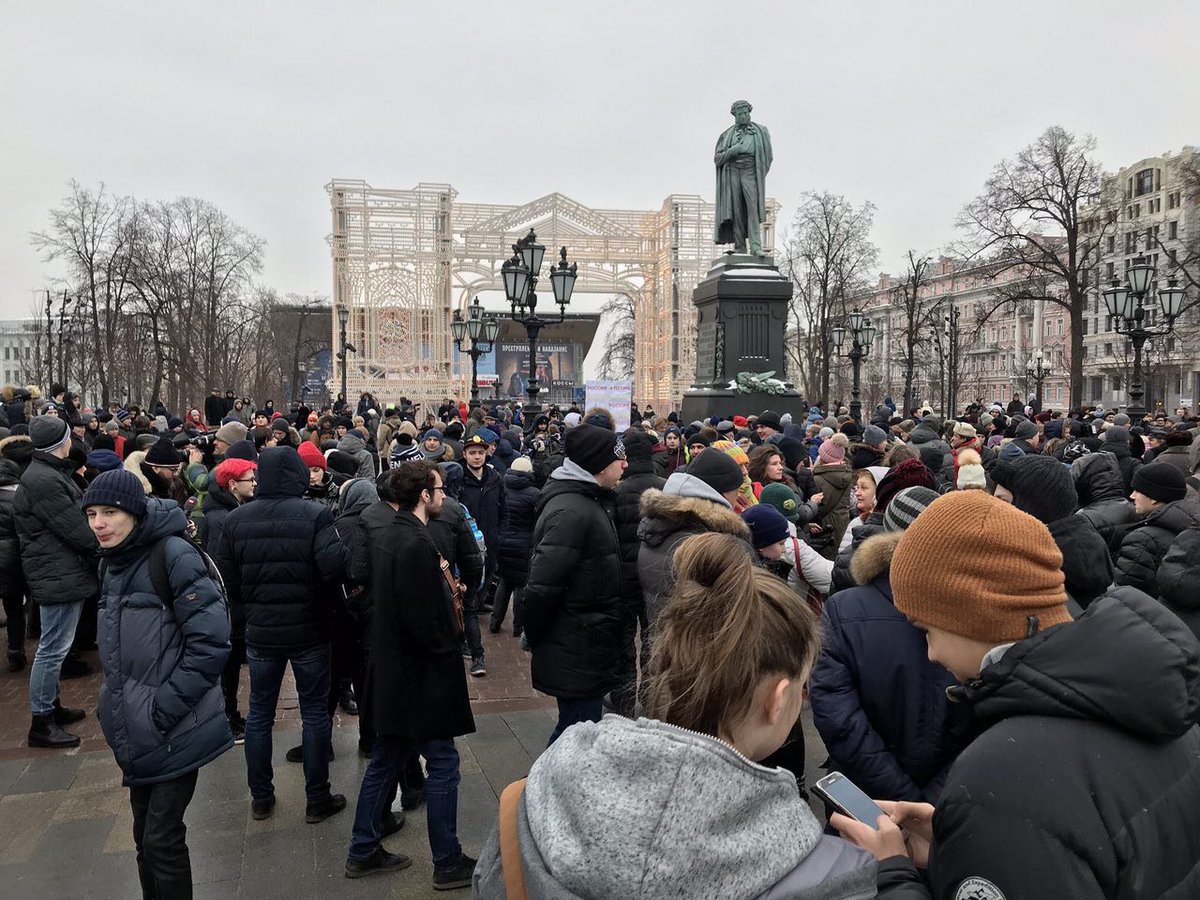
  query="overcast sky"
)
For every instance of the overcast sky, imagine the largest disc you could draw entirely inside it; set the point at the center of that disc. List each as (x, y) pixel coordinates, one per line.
(256, 105)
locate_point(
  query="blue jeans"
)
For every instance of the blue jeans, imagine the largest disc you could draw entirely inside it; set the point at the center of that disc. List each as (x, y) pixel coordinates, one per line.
(58, 631)
(388, 757)
(572, 711)
(311, 670)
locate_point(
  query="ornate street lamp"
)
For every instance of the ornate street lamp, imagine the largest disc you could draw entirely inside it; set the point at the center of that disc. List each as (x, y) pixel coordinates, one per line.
(1038, 371)
(343, 314)
(862, 333)
(520, 277)
(1126, 304)
(482, 333)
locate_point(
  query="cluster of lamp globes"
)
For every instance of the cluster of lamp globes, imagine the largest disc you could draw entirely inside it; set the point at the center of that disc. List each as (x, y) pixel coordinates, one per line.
(1124, 301)
(519, 275)
(861, 329)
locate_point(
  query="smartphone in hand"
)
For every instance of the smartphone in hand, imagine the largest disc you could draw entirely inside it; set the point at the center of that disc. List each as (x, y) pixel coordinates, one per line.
(847, 798)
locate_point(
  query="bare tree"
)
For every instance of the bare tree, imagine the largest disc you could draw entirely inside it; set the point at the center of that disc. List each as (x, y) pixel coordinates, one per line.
(828, 256)
(907, 298)
(617, 359)
(1037, 215)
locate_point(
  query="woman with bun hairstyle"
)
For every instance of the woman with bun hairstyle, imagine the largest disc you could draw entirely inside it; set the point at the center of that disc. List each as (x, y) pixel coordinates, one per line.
(676, 804)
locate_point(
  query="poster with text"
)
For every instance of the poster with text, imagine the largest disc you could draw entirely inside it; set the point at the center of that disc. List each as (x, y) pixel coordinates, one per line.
(615, 396)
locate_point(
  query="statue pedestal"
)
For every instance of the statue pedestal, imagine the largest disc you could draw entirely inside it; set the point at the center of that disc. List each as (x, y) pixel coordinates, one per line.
(741, 324)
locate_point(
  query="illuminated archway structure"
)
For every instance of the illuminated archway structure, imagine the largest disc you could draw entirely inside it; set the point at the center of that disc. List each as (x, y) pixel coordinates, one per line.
(404, 259)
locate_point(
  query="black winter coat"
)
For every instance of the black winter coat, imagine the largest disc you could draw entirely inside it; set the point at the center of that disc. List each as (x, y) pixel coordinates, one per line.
(1125, 461)
(484, 497)
(1147, 541)
(58, 549)
(1086, 563)
(283, 558)
(214, 410)
(639, 477)
(1103, 499)
(572, 602)
(1083, 784)
(15, 453)
(456, 542)
(516, 532)
(840, 578)
(218, 504)
(1179, 579)
(417, 685)
(161, 706)
(878, 702)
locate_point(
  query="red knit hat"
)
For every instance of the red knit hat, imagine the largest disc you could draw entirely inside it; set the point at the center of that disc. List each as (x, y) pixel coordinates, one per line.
(740, 422)
(233, 469)
(311, 455)
(910, 473)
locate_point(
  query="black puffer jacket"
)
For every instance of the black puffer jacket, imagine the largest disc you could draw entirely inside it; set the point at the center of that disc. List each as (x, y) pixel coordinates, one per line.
(1147, 541)
(15, 453)
(1125, 461)
(1103, 499)
(1179, 579)
(283, 558)
(58, 550)
(1086, 563)
(572, 600)
(840, 578)
(1083, 784)
(484, 497)
(639, 477)
(516, 531)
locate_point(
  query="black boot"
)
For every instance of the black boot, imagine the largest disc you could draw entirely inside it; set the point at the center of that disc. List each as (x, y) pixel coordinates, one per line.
(44, 732)
(65, 715)
(74, 668)
(346, 701)
(17, 660)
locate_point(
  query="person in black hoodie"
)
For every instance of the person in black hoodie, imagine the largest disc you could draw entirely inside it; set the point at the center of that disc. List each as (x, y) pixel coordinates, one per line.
(284, 560)
(1043, 487)
(516, 541)
(572, 603)
(1103, 499)
(1081, 782)
(640, 476)
(1116, 442)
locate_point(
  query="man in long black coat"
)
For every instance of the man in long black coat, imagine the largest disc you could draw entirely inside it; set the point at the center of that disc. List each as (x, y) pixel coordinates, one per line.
(417, 685)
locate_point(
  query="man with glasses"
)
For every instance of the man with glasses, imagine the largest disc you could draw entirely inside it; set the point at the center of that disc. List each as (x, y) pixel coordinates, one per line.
(418, 689)
(234, 481)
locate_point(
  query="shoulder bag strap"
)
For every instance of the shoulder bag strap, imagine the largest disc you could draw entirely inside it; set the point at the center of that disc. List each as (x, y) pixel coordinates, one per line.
(510, 850)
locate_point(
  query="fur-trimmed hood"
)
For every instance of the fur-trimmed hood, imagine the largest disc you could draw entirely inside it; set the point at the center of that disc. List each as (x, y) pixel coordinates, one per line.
(873, 558)
(663, 514)
(133, 463)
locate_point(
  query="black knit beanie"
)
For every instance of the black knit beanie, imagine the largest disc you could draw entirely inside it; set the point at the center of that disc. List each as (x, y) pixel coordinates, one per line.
(1160, 481)
(1040, 485)
(592, 448)
(718, 470)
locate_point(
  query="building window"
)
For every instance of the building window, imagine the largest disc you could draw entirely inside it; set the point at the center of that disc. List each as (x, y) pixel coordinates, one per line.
(1112, 243)
(1110, 271)
(1143, 182)
(1108, 350)
(7, 357)
(1172, 230)
(1116, 383)
(1060, 327)
(1173, 200)
(1130, 241)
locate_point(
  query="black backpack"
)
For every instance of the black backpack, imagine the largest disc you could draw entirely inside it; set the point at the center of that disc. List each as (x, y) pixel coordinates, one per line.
(161, 579)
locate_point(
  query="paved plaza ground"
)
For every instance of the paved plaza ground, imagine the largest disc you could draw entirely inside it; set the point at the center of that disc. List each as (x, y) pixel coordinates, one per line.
(66, 828)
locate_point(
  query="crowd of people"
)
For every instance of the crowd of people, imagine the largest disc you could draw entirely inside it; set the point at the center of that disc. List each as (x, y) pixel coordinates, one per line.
(993, 616)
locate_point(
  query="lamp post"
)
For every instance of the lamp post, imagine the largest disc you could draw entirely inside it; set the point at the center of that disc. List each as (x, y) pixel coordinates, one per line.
(862, 333)
(1125, 304)
(951, 329)
(482, 332)
(520, 274)
(302, 378)
(343, 314)
(1038, 371)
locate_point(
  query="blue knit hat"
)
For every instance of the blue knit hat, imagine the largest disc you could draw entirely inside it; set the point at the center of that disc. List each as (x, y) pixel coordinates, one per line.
(103, 460)
(119, 488)
(767, 525)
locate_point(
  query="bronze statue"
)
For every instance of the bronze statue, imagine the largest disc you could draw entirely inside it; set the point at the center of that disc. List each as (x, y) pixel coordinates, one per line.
(743, 158)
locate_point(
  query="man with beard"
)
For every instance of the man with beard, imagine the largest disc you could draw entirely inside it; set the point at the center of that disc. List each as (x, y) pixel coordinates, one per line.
(418, 689)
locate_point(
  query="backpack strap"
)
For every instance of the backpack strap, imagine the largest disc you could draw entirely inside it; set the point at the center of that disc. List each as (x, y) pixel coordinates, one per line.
(159, 576)
(510, 850)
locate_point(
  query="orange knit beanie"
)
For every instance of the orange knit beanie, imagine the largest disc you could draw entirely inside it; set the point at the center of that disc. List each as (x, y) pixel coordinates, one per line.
(979, 567)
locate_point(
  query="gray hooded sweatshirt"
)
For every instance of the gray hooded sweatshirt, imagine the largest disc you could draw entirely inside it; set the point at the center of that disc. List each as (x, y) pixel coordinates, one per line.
(619, 810)
(355, 446)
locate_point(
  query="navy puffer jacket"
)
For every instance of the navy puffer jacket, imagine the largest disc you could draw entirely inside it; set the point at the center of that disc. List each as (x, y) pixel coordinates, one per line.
(516, 532)
(161, 706)
(281, 558)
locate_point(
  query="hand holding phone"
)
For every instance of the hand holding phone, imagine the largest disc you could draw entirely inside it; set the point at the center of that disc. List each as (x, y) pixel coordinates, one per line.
(845, 796)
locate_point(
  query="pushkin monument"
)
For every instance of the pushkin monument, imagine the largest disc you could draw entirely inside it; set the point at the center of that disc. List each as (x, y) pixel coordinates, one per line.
(742, 305)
